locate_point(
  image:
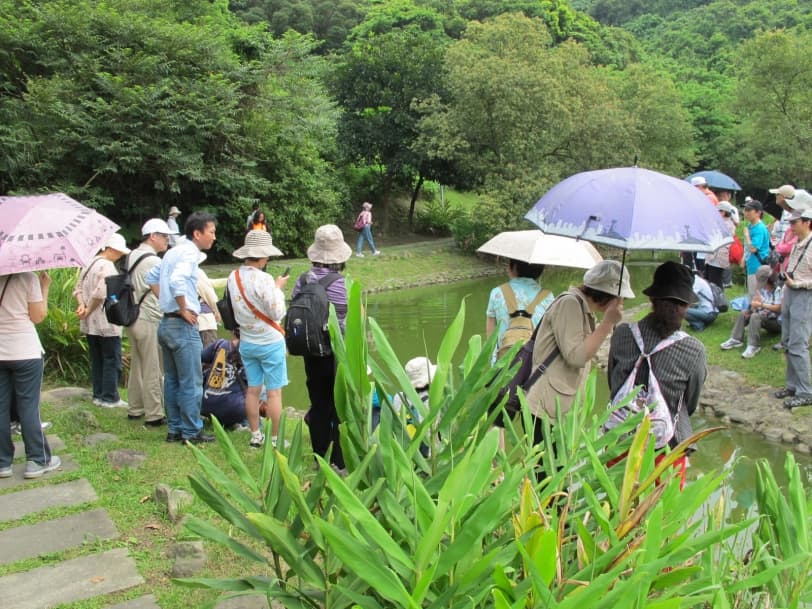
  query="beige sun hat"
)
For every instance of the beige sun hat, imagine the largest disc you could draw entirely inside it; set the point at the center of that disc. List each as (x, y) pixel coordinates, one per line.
(420, 371)
(258, 244)
(328, 246)
(173, 211)
(605, 277)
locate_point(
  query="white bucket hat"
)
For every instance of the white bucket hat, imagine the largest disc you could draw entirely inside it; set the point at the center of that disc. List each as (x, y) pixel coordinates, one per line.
(117, 242)
(156, 225)
(420, 371)
(605, 277)
(329, 246)
(173, 211)
(258, 244)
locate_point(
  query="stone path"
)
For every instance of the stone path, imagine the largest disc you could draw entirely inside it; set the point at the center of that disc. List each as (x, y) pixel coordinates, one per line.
(94, 573)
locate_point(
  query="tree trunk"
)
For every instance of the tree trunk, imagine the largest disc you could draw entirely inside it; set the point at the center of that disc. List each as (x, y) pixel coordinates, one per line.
(415, 194)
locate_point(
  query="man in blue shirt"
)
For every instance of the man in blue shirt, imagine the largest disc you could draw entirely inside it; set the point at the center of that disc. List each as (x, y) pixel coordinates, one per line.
(703, 313)
(758, 243)
(176, 282)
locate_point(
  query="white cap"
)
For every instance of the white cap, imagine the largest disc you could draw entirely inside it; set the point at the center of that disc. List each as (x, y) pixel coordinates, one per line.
(420, 371)
(699, 181)
(117, 242)
(156, 225)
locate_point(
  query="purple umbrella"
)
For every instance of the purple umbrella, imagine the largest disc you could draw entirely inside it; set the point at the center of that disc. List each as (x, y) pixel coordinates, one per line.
(633, 209)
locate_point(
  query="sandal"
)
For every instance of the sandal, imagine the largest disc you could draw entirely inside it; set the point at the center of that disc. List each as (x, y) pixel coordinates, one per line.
(786, 392)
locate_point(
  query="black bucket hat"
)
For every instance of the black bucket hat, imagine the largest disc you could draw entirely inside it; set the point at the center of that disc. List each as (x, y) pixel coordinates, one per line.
(673, 281)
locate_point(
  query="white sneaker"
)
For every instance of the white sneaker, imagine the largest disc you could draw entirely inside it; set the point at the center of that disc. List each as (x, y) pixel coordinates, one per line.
(35, 470)
(119, 404)
(6, 472)
(257, 439)
(377, 253)
(359, 255)
(750, 351)
(731, 343)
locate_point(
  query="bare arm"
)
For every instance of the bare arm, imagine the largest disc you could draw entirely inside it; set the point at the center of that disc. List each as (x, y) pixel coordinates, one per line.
(38, 311)
(490, 326)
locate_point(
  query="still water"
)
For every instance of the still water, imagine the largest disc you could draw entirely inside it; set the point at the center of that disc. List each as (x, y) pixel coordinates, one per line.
(416, 319)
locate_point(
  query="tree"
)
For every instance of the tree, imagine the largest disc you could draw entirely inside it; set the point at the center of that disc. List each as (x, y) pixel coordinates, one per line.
(772, 105)
(133, 107)
(380, 82)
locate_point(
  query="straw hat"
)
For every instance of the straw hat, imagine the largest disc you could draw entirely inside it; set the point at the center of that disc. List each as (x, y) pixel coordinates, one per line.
(605, 277)
(258, 244)
(420, 371)
(329, 246)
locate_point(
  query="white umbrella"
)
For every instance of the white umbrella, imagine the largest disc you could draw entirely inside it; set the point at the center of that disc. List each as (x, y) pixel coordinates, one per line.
(536, 247)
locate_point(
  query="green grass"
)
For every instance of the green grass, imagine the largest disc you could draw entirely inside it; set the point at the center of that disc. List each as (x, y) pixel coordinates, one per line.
(126, 494)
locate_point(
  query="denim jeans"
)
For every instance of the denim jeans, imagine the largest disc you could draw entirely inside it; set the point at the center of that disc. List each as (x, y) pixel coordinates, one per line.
(699, 319)
(183, 375)
(20, 382)
(796, 327)
(365, 234)
(105, 366)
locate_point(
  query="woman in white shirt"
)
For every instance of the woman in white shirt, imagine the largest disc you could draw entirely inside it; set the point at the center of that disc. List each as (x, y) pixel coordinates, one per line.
(259, 306)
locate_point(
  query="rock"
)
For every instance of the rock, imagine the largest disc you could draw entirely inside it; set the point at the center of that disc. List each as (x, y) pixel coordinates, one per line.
(788, 437)
(65, 394)
(126, 457)
(178, 501)
(803, 448)
(162, 493)
(85, 418)
(190, 558)
(175, 500)
(99, 438)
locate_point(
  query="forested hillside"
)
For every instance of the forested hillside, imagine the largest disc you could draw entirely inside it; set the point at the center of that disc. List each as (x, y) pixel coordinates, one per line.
(308, 106)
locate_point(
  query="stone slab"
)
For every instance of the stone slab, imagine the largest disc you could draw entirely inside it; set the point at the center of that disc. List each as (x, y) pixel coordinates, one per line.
(14, 506)
(244, 602)
(70, 581)
(55, 442)
(49, 536)
(142, 602)
(68, 465)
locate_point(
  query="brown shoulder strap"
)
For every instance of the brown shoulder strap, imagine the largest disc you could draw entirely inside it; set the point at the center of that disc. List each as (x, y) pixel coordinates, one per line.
(537, 301)
(510, 298)
(257, 313)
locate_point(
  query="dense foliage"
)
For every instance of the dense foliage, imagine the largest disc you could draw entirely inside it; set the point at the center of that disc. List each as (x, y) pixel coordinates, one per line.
(306, 107)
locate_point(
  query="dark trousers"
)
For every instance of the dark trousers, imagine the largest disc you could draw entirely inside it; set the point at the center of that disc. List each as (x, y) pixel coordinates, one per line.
(20, 384)
(322, 419)
(105, 366)
(715, 274)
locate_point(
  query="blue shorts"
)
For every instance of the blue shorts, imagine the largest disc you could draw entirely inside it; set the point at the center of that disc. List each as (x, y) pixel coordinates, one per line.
(265, 364)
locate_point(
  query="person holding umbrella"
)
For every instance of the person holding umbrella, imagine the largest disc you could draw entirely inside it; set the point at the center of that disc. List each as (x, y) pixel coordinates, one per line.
(23, 303)
(570, 329)
(103, 338)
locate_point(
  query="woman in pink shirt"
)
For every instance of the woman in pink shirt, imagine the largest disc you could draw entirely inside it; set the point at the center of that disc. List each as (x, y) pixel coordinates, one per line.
(365, 218)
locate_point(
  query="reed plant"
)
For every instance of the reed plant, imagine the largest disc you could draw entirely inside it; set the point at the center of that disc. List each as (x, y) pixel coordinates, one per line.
(468, 523)
(66, 357)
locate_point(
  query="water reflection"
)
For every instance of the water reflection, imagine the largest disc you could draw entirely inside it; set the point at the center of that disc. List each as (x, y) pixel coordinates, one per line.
(416, 319)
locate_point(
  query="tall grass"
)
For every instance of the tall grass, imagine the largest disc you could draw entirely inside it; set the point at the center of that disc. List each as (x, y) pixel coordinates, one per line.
(66, 359)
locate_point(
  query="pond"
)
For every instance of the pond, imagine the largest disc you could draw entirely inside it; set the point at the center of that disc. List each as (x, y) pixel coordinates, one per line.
(416, 319)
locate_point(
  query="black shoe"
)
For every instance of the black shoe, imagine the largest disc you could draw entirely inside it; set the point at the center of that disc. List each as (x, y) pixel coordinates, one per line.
(784, 393)
(173, 437)
(156, 422)
(135, 417)
(199, 439)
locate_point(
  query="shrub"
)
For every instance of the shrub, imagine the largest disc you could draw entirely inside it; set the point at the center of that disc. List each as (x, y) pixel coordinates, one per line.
(437, 217)
(66, 359)
(468, 525)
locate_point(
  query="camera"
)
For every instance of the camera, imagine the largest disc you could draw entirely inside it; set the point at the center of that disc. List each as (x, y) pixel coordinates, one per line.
(784, 276)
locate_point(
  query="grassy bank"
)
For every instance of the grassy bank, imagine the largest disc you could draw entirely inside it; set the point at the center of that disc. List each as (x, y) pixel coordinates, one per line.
(400, 265)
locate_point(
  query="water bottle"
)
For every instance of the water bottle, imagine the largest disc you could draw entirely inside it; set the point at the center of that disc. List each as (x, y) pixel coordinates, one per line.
(113, 298)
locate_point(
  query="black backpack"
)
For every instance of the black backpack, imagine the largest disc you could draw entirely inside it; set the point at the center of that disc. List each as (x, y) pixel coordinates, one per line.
(306, 331)
(120, 306)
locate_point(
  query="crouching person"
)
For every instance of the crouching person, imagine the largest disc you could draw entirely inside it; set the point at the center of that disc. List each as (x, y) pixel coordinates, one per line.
(764, 312)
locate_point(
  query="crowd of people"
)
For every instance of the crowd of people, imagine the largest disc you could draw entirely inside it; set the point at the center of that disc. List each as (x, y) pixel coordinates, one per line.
(181, 372)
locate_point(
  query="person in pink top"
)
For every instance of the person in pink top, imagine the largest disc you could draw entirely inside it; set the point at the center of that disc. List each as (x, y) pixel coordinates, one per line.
(365, 218)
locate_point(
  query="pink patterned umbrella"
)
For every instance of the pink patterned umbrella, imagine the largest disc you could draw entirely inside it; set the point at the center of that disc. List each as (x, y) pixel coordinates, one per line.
(50, 231)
